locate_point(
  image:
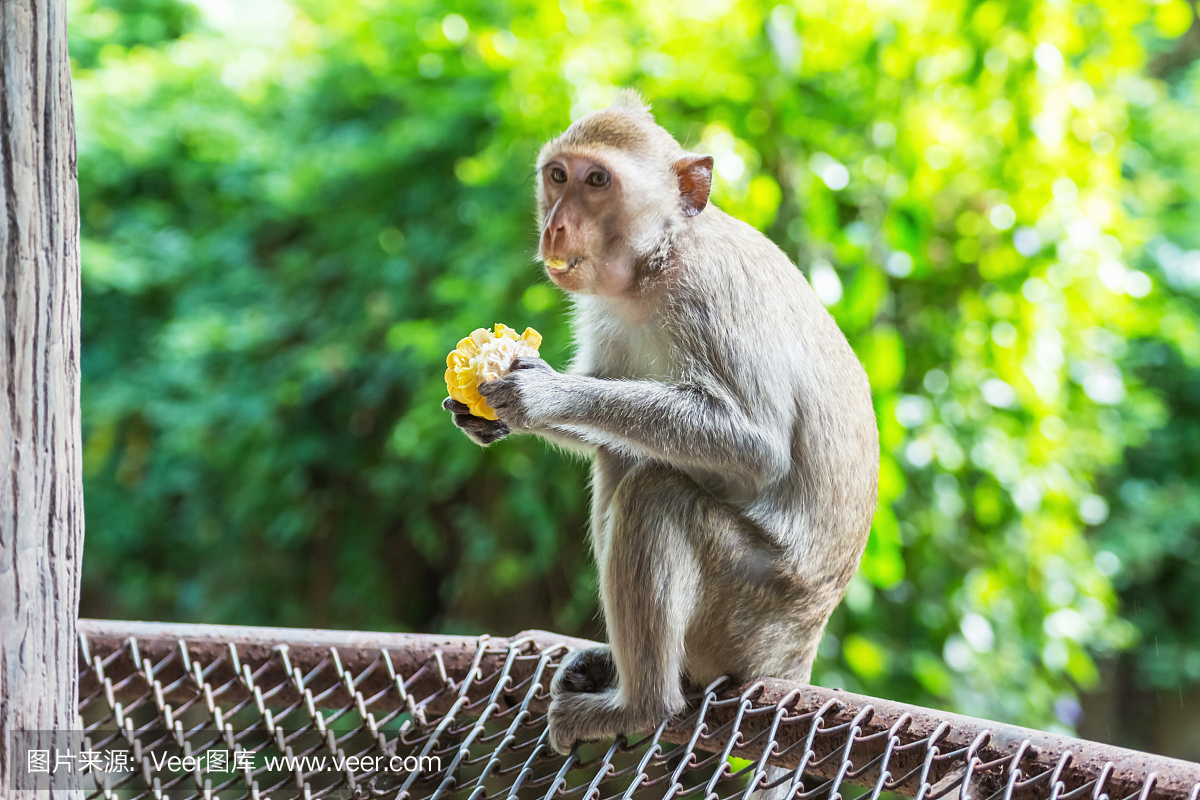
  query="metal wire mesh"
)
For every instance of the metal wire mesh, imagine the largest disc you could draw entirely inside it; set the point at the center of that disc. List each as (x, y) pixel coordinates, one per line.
(414, 716)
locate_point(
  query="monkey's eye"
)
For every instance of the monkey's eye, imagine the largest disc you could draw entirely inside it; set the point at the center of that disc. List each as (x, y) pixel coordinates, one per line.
(598, 179)
(558, 175)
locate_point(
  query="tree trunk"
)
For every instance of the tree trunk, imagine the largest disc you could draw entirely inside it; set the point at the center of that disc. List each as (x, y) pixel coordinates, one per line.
(41, 494)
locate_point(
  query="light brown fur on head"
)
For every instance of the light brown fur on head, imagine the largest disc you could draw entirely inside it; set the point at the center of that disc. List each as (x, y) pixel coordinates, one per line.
(625, 125)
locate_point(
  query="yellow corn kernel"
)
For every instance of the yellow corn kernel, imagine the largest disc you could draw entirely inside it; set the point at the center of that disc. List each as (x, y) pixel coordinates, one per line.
(483, 356)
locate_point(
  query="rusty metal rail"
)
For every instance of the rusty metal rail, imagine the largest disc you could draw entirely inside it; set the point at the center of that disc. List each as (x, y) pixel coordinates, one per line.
(443, 716)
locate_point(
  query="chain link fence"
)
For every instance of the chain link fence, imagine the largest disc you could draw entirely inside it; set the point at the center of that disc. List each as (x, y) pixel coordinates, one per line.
(198, 711)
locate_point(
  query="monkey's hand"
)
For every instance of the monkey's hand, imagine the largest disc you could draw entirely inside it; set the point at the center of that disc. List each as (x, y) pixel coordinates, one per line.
(479, 430)
(514, 397)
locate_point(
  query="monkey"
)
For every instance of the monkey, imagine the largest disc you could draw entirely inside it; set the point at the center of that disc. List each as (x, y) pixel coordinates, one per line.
(731, 428)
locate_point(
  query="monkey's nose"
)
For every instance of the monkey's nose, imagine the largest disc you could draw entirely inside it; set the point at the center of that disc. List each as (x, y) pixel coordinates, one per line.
(556, 239)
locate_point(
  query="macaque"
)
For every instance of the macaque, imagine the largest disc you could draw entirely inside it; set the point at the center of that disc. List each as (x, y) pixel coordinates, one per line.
(733, 438)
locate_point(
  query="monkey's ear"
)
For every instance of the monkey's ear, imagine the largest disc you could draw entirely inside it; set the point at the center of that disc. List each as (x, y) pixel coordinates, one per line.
(695, 180)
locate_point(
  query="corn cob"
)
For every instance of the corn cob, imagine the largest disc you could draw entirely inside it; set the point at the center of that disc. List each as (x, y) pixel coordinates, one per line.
(485, 356)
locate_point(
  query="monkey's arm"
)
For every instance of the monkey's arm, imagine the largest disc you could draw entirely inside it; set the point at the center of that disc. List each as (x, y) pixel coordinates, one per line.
(693, 428)
(561, 436)
(564, 438)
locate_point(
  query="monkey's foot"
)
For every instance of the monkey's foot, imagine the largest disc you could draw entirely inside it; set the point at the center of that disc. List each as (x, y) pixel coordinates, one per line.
(585, 672)
(596, 716)
(583, 717)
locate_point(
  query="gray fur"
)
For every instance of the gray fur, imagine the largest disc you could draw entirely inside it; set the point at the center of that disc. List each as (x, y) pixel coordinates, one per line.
(734, 444)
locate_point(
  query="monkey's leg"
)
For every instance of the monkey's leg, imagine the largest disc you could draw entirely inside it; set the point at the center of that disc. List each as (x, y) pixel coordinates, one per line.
(659, 524)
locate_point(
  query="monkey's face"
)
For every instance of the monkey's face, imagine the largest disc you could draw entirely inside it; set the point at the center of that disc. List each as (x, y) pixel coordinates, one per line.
(584, 242)
(611, 191)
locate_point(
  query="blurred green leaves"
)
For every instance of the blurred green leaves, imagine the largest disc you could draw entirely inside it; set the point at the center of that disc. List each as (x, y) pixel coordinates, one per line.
(292, 212)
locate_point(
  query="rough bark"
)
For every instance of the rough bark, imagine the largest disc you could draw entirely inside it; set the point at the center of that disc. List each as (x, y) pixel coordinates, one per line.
(41, 495)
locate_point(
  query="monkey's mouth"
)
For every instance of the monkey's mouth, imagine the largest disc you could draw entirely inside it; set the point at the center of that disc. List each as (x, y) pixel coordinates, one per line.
(558, 266)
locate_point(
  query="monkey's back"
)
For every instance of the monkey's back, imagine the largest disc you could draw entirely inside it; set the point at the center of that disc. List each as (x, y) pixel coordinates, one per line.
(795, 373)
(813, 393)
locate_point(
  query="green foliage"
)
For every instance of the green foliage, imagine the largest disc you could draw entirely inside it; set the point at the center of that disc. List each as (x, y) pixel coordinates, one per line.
(108, 28)
(1151, 543)
(291, 214)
